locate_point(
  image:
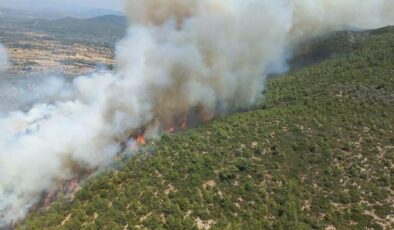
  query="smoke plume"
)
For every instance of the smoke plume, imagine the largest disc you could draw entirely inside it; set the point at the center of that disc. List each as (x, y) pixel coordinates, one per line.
(21, 93)
(180, 58)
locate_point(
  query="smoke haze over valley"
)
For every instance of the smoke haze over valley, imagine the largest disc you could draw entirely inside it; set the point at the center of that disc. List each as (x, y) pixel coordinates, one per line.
(180, 59)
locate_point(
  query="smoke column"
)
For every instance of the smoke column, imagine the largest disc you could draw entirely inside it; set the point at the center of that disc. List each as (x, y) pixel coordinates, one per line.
(179, 57)
(3, 58)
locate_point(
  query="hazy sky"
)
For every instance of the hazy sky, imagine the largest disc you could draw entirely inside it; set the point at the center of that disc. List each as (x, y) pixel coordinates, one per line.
(62, 4)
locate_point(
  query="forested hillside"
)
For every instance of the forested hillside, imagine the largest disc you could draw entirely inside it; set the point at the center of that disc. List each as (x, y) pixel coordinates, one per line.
(318, 152)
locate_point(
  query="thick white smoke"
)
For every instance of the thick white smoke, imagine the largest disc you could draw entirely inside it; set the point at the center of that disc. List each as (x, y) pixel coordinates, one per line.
(21, 93)
(179, 57)
(3, 58)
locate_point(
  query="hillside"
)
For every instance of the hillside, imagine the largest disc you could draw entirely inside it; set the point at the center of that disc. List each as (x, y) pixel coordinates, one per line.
(317, 153)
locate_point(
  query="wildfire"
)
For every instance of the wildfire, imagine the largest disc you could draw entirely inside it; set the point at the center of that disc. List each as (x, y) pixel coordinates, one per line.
(47, 200)
(170, 129)
(73, 185)
(141, 139)
(208, 116)
(67, 188)
(177, 124)
(184, 123)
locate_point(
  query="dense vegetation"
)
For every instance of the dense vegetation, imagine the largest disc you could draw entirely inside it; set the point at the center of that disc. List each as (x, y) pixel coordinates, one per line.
(317, 154)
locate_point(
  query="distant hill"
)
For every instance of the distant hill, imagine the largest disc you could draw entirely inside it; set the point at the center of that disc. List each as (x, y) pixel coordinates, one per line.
(98, 26)
(103, 30)
(91, 13)
(317, 153)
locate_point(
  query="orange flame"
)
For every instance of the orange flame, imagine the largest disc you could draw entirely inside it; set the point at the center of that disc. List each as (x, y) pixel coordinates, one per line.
(141, 139)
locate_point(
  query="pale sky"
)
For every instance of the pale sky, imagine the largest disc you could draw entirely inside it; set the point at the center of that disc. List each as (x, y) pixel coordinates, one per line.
(63, 4)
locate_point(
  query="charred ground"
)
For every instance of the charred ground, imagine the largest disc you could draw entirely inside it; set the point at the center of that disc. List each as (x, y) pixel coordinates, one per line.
(317, 154)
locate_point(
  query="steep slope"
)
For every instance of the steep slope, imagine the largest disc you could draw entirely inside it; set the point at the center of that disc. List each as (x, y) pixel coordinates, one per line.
(317, 153)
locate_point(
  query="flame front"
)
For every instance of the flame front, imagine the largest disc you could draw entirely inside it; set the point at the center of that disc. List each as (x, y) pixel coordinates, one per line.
(141, 139)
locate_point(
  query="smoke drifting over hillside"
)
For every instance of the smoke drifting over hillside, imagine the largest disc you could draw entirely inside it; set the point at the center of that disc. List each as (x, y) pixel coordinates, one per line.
(181, 58)
(3, 58)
